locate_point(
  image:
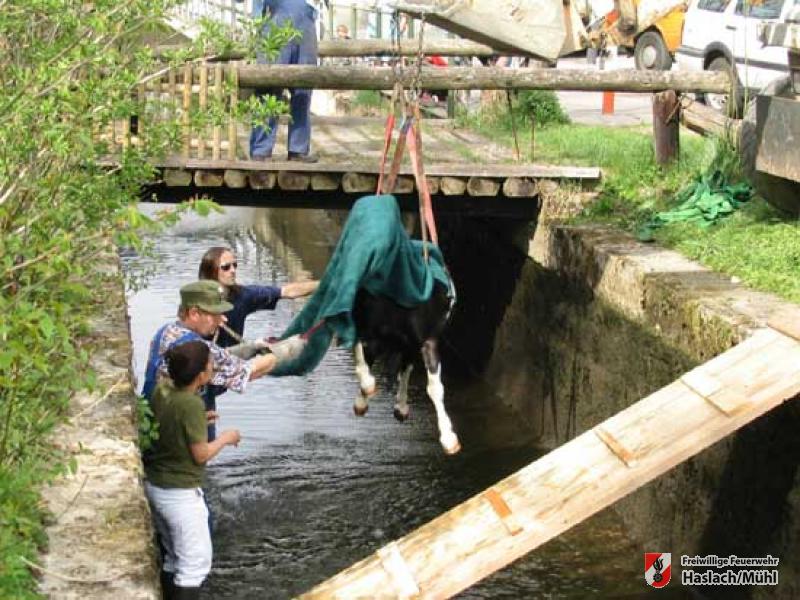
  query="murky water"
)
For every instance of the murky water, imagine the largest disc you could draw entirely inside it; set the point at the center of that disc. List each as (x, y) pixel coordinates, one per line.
(312, 488)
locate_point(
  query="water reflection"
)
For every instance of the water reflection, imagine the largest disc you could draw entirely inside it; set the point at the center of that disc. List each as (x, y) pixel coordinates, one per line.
(312, 488)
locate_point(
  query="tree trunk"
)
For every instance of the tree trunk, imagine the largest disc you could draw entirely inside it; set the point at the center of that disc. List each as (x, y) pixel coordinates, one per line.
(480, 78)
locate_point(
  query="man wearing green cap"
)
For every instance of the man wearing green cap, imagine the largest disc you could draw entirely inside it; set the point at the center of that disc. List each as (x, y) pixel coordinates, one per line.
(199, 315)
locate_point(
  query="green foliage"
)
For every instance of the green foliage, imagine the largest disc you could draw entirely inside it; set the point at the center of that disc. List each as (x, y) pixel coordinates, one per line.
(541, 107)
(68, 69)
(148, 426)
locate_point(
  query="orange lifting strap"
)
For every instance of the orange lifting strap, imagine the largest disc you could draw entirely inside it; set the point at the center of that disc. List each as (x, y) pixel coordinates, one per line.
(410, 135)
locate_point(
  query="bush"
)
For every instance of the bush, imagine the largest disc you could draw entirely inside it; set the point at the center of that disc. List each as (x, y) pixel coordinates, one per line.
(540, 106)
(69, 70)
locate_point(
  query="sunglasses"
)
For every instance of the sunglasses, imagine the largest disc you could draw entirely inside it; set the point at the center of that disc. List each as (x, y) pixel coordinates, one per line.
(228, 266)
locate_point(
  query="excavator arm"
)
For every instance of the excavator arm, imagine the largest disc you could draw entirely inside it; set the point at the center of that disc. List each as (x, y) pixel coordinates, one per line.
(544, 29)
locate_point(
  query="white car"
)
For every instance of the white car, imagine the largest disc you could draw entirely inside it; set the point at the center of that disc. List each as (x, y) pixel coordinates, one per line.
(718, 34)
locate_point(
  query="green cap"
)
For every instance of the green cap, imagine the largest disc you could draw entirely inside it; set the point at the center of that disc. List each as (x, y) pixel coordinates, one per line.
(206, 295)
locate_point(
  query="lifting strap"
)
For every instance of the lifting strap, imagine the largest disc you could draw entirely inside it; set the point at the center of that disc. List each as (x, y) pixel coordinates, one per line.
(410, 135)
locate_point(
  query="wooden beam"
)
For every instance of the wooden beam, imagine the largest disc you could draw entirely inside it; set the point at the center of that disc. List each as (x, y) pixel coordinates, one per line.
(433, 169)
(666, 126)
(703, 119)
(374, 47)
(480, 78)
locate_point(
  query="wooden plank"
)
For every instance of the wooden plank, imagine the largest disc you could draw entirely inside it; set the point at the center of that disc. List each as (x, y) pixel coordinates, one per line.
(325, 181)
(177, 177)
(465, 170)
(452, 186)
(216, 147)
(233, 77)
(262, 180)
(186, 106)
(519, 187)
(359, 183)
(482, 186)
(203, 106)
(208, 178)
(341, 77)
(291, 181)
(579, 478)
(403, 185)
(787, 322)
(235, 179)
(433, 184)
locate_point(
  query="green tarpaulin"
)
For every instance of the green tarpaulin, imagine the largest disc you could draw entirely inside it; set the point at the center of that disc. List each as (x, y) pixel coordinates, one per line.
(376, 253)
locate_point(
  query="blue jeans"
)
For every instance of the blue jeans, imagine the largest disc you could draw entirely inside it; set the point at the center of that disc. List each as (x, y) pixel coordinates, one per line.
(301, 51)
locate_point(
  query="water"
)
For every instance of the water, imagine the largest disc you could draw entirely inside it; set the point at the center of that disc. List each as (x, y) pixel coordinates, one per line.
(312, 488)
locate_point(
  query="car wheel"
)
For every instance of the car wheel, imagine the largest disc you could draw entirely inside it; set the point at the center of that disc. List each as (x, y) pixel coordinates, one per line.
(724, 103)
(651, 53)
(781, 193)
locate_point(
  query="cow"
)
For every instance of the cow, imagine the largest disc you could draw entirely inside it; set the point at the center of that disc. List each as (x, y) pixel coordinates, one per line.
(396, 334)
(384, 295)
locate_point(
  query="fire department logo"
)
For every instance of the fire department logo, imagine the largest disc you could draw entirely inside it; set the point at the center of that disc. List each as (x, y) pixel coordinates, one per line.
(657, 568)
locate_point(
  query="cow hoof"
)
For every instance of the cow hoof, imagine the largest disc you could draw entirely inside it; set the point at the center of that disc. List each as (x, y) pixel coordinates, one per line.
(451, 445)
(360, 407)
(400, 415)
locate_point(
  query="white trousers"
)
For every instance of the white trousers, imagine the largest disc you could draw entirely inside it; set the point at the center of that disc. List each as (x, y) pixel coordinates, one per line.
(181, 519)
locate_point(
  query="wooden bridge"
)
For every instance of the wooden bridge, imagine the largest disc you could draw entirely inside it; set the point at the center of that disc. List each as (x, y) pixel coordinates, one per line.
(466, 172)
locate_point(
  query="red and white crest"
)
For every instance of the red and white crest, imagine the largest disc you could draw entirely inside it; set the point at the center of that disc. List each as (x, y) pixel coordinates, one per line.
(657, 568)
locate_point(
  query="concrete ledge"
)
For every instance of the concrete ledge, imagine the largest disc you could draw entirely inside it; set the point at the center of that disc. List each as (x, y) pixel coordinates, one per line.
(695, 309)
(100, 541)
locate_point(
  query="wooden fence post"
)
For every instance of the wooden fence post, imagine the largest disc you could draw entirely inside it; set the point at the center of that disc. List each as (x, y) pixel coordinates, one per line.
(666, 126)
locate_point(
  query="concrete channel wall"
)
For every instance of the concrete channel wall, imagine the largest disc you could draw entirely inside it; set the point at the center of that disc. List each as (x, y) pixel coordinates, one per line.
(100, 542)
(599, 321)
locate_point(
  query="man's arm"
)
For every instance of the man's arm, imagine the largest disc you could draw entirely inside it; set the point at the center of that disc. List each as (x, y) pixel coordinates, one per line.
(299, 289)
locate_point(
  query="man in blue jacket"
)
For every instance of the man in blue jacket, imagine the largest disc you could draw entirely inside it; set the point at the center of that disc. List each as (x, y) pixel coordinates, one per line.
(300, 51)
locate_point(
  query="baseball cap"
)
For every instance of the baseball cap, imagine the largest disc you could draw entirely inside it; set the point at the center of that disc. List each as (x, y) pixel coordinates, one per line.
(206, 295)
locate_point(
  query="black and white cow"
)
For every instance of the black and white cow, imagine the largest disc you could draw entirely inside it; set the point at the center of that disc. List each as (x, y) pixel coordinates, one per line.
(396, 334)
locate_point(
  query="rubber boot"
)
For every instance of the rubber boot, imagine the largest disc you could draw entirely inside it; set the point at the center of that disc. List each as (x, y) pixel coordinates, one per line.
(167, 585)
(186, 593)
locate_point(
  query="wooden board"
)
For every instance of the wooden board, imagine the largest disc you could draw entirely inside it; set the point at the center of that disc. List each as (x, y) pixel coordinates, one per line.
(580, 478)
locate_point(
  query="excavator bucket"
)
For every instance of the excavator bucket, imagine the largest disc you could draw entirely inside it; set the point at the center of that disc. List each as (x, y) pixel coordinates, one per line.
(544, 29)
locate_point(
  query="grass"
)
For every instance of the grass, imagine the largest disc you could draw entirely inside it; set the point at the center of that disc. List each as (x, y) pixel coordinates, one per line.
(757, 244)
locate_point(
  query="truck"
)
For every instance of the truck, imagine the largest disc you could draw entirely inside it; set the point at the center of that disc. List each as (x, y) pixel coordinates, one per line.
(549, 29)
(769, 133)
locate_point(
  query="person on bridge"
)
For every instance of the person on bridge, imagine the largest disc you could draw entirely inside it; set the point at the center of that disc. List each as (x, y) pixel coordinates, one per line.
(219, 264)
(202, 310)
(175, 468)
(300, 51)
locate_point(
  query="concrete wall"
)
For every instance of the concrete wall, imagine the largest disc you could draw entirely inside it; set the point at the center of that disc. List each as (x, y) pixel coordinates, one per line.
(100, 541)
(596, 322)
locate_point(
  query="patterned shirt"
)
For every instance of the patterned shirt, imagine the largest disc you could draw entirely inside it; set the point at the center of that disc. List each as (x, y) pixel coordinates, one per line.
(230, 371)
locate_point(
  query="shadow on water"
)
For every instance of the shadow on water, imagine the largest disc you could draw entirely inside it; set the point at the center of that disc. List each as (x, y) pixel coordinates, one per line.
(312, 488)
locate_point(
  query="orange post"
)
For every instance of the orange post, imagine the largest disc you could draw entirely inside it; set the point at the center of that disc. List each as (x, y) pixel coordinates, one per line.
(608, 103)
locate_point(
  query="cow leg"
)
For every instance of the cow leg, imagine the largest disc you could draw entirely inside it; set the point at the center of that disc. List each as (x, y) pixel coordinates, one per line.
(435, 390)
(366, 382)
(401, 400)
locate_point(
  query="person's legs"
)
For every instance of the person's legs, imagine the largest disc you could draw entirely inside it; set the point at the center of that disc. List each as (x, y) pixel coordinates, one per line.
(181, 517)
(300, 125)
(262, 140)
(300, 105)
